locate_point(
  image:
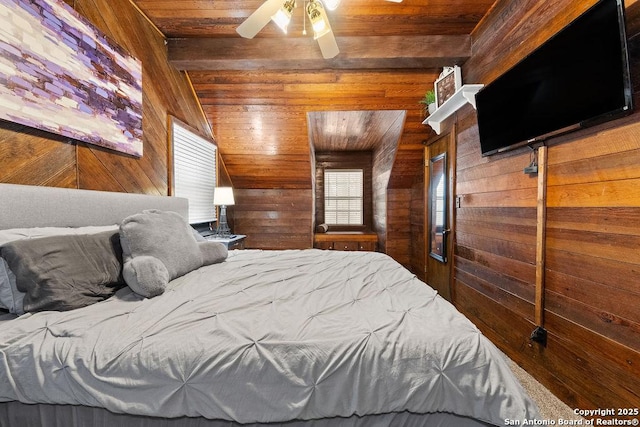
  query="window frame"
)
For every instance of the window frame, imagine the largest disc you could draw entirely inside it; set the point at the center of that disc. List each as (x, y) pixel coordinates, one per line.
(208, 212)
(343, 159)
(360, 198)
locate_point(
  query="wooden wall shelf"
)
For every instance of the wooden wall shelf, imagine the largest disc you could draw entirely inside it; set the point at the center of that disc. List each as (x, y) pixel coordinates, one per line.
(467, 93)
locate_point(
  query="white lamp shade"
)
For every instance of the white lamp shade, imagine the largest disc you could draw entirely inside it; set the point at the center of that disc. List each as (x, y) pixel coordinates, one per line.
(223, 196)
(331, 4)
(282, 18)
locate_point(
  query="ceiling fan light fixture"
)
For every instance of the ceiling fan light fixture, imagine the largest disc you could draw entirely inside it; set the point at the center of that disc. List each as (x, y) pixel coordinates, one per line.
(331, 4)
(318, 18)
(319, 26)
(282, 17)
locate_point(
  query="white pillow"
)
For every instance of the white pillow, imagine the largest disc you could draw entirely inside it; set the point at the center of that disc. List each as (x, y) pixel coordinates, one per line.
(10, 297)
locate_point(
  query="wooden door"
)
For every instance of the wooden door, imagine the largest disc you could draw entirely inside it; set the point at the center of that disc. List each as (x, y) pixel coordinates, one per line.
(439, 196)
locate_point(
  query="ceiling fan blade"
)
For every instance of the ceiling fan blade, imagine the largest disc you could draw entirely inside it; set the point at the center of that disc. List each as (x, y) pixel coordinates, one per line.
(328, 45)
(395, 1)
(327, 41)
(258, 19)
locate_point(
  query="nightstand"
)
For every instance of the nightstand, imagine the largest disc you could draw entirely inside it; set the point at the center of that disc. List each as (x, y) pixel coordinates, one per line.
(235, 241)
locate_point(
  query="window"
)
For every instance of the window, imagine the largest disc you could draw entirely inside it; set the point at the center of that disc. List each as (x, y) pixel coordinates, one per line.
(194, 171)
(343, 196)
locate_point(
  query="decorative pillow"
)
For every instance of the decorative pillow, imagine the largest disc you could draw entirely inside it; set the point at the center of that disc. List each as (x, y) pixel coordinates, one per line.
(322, 228)
(66, 272)
(13, 234)
(212, 252)
(6, 296)
(10, 297)
(159, 246)
(199, 237)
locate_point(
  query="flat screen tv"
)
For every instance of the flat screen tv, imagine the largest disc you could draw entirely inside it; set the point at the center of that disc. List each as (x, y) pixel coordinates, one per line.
(578, 78)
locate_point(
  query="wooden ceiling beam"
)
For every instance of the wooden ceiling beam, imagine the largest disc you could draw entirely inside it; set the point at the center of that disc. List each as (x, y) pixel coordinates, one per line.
(302, 53)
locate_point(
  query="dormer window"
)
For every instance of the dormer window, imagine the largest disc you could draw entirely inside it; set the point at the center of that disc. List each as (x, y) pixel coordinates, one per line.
(343, 196)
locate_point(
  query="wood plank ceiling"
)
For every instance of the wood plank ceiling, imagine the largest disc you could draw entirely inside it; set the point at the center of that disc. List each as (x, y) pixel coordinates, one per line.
(263, 96)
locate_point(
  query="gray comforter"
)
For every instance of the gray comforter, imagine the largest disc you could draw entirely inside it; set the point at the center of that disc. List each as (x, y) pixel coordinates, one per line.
(266, 336)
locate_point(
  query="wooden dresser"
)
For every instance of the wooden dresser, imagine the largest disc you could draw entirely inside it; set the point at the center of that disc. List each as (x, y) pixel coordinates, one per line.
(346, 240)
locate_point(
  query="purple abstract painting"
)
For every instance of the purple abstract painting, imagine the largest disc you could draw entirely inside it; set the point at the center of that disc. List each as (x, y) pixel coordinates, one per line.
(60, 74)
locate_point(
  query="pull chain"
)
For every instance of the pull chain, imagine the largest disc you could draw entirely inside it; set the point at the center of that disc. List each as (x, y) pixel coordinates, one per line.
(304, 19)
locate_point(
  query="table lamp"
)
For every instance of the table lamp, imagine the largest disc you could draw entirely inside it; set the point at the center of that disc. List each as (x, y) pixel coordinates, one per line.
(223, 197)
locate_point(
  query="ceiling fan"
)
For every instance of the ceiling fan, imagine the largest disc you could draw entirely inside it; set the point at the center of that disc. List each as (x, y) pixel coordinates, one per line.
(280, 11)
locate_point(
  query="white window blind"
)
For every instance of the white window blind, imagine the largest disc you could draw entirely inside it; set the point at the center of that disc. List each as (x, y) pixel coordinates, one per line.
(343, 196)
(194, 171)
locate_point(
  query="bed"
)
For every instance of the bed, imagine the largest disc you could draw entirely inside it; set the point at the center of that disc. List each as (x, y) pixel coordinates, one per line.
(292, 338)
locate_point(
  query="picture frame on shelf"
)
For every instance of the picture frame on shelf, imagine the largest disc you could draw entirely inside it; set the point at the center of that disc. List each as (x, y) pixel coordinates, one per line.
(449, 81)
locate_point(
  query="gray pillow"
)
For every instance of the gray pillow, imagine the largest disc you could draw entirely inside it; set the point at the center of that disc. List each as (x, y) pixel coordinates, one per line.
(164, 235)
(212, 252)
(10, 297)
(66, 272)
(159, 246)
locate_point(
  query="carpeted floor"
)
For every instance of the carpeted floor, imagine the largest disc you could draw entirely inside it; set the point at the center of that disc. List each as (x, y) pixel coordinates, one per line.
(550, 406)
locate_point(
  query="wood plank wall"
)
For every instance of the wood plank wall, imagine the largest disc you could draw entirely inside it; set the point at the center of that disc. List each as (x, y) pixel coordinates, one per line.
(264, 136)
(28, 156)
(394, 165)
(383, 202)
(398, 232)
(592, 359)
(417, 245)
(275, 218)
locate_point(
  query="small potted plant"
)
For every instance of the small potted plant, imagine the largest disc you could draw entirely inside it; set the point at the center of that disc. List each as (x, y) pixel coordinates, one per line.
(429, 102)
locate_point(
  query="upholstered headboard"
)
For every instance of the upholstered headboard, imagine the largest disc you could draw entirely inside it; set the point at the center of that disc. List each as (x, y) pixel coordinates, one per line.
(32, 206)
